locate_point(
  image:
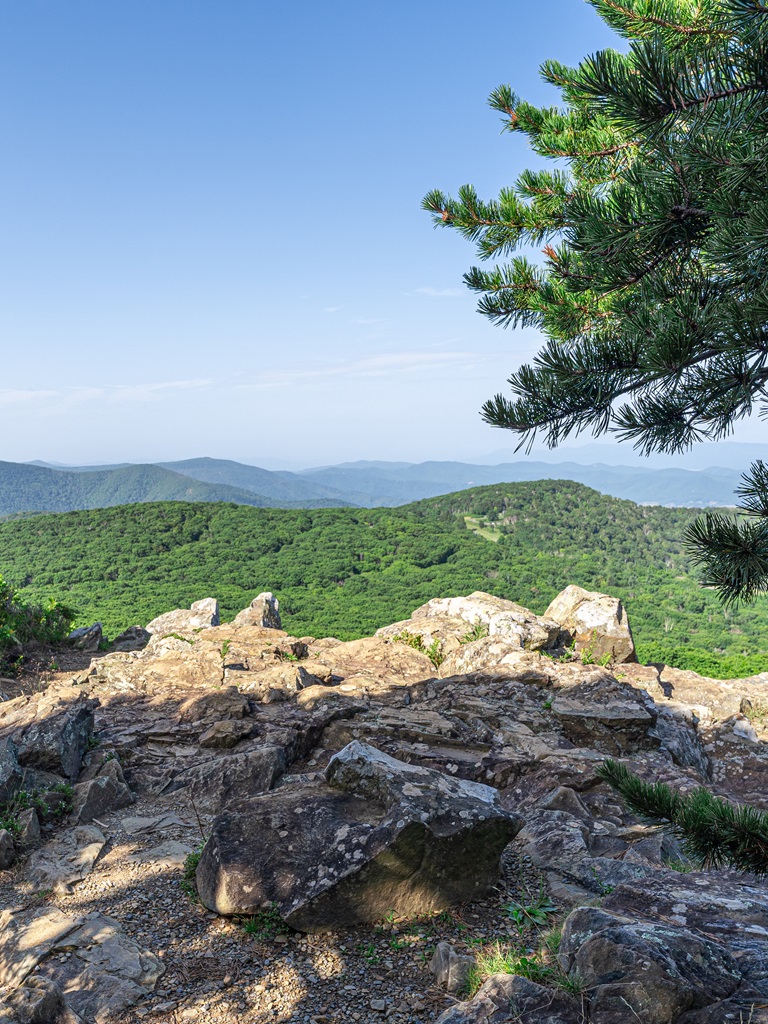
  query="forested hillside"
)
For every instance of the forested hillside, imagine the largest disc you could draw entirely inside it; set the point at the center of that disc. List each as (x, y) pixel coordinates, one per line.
(345, 572)
(32, 488)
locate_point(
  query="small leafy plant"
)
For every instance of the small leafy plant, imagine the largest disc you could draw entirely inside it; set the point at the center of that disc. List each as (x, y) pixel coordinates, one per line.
(478, 632)
(265, 924)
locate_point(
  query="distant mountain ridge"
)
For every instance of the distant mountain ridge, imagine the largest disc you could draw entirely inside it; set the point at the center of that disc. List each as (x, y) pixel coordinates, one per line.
(372, 484)
(35, 488)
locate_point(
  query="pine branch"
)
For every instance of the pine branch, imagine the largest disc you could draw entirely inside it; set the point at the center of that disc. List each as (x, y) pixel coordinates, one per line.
(714, 833)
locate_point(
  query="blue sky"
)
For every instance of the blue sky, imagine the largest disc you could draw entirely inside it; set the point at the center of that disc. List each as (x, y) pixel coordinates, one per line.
(210, 234)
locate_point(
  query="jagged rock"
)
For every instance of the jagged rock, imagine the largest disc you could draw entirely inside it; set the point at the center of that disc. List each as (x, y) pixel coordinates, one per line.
(201, 615)
(29, 828)
(606, 715)
(393, 665)
(135, 638)
(65, 860)
(596, 623)
(648, 971)
(225, 734)
(10, 772)
(216, 782)
(493, 658)
(499, 617)
(52, 734)
(38, 1001)
(226, 704)
(7, 849)
(451, 969)
(381, 835)
(86, 638)
(454, 622)
(510, 999)
(263, 611)
(107, 792)
(103, 973)
(276, 682)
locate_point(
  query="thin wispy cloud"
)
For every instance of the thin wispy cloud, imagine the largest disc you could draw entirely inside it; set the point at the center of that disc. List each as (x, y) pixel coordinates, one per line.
(58, 399)
(332, 309)
(382, 365)
(437, 293)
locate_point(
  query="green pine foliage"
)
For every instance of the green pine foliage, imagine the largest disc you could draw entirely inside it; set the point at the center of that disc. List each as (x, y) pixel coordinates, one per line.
(714, 832)
(652, 285)
(346, 572)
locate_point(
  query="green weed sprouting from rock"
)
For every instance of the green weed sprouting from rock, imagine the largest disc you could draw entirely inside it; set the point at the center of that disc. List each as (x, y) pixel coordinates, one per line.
(188, 884)
(178, 636)
(532, 912)
(478, 632)
(415, 640)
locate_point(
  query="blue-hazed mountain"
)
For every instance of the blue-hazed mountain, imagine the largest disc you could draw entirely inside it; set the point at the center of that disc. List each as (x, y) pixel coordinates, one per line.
(35, 488)
(370, 484)
(279, 485)
(367, 484)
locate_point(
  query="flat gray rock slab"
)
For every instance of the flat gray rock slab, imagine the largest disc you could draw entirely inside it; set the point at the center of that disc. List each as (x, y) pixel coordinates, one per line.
(104, 972)
(66, 860)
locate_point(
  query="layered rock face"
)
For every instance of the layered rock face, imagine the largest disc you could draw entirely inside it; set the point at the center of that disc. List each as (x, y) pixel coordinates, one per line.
(341, 782)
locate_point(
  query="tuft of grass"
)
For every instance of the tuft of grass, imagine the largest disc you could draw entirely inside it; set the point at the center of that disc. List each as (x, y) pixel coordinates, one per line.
(188, 884)
(265, 924)
(178, 636)
(540, 965)
(369, 951)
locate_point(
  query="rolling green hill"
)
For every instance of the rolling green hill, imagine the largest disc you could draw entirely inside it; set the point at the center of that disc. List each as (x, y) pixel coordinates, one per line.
(345, 572)
(31, 488)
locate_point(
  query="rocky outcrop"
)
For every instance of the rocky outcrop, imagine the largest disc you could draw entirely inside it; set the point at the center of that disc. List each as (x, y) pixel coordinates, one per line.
(343, 781)
(379, 837)
(200, 615)
(50, 731)
(263, 611)
(87, 638)
(595, 623)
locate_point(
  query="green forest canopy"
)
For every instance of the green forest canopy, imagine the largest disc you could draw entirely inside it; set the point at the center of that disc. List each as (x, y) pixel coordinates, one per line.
(344, 572)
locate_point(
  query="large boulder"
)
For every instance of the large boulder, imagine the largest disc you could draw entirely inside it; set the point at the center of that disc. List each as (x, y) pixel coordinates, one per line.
(108, 791)
(200, 615)
(459, 620)
(263, 611)
(596, 624)
(378, 836)
(87, 638)
(50, 733)
(644, 971)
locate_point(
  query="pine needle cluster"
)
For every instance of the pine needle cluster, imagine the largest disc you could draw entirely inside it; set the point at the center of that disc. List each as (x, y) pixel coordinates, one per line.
(652, 224)
(714, 833)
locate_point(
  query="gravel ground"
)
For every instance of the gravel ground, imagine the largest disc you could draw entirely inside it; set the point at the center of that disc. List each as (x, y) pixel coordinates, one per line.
(216, 971)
